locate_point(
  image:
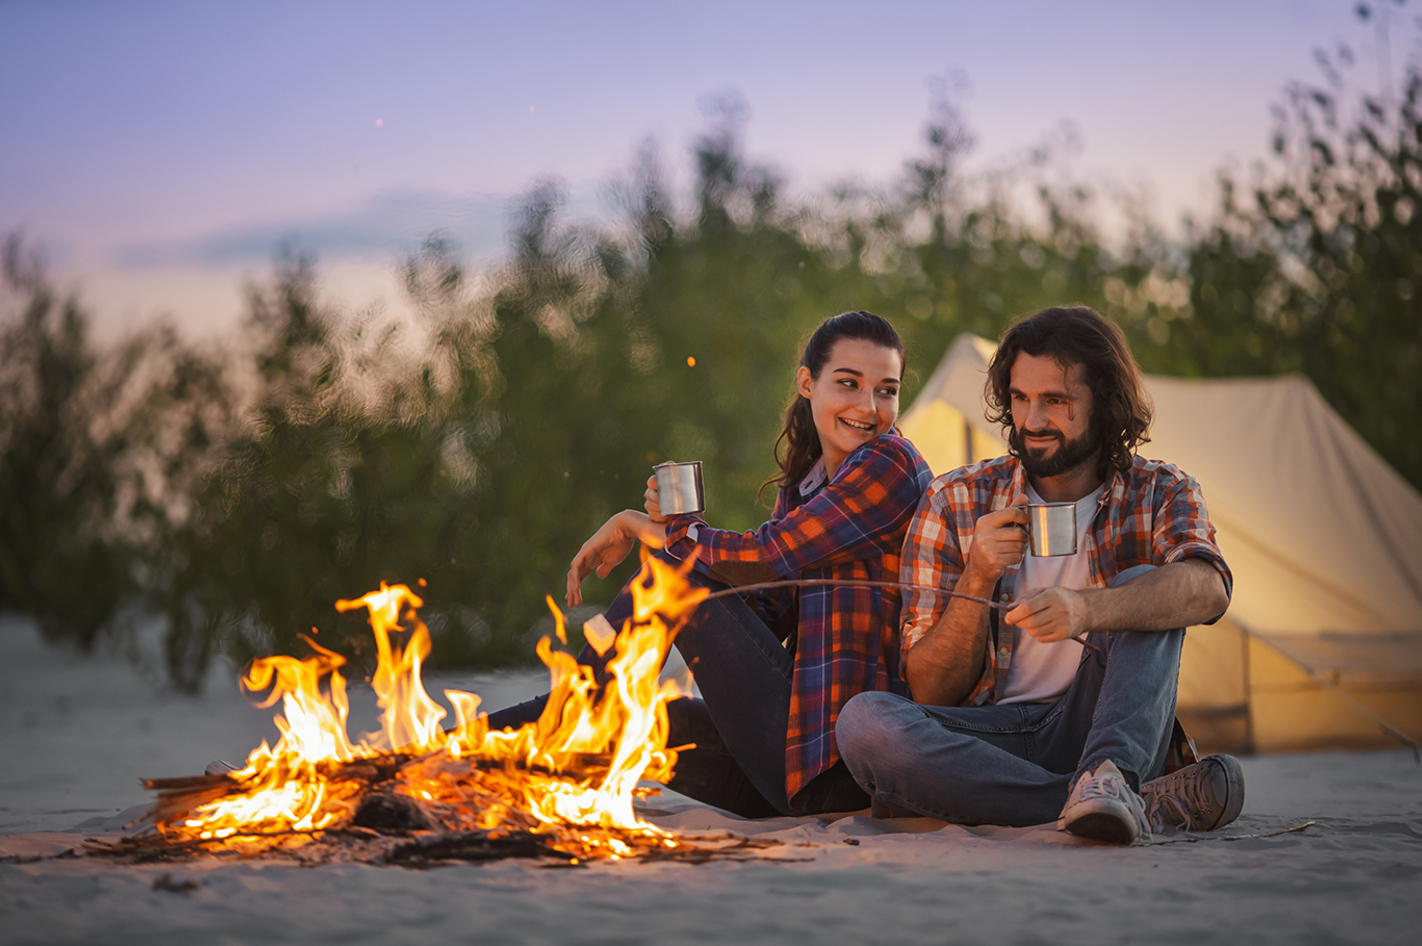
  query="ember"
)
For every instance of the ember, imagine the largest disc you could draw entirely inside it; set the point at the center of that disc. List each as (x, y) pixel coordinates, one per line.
(563, 785)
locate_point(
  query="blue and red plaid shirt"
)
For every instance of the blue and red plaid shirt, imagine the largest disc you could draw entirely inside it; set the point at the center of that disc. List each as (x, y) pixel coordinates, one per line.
(1152, 514)
(846, 639)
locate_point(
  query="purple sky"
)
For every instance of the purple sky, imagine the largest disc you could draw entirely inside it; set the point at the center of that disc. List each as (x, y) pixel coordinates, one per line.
(159, 151)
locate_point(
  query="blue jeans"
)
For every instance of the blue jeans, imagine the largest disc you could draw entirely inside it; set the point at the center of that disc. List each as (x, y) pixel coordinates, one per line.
(1015, 764)
(740, 725)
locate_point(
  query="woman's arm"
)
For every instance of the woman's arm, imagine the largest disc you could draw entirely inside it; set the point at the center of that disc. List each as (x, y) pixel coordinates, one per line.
(609, 545)
(860, 514)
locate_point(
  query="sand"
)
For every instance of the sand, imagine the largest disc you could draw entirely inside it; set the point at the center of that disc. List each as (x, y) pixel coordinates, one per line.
(76, 734)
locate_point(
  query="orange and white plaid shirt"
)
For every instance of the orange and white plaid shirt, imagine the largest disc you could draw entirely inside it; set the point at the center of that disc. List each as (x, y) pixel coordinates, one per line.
(1152, 514)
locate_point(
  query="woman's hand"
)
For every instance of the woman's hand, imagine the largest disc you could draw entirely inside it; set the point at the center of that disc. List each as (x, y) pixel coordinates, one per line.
(608, 546)
(653, 502)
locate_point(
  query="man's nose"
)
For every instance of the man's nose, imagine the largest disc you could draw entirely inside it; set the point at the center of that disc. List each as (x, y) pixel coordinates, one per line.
(1036, 416)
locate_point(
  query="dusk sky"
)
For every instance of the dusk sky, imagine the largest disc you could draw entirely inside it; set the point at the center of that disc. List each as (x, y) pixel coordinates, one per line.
(158, 151)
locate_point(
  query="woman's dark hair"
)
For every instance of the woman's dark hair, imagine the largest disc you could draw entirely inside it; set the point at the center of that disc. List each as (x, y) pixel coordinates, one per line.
(1077, 335)
(798, 446)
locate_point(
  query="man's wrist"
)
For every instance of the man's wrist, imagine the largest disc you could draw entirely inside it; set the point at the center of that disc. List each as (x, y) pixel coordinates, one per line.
(975, 582)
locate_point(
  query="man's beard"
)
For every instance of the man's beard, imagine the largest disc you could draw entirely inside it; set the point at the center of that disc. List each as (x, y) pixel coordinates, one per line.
(1069, 453)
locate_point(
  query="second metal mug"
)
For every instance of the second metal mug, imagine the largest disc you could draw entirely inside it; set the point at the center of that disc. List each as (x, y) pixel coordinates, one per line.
(1051, 528)
(679, 488)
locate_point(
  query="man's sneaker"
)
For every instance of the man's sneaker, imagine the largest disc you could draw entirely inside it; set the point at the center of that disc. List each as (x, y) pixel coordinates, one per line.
(1103, 807)
(1199, 797)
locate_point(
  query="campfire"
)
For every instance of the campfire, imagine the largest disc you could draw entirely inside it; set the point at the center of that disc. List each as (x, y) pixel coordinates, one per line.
(416, 792)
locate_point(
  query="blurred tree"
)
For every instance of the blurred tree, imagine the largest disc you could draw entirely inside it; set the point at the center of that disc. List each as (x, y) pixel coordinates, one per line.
(100, 449)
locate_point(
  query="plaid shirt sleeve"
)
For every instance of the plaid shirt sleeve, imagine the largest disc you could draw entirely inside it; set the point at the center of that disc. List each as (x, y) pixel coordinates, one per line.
(934, 556)
(1182, 527)
(858, 515)
(931, 559)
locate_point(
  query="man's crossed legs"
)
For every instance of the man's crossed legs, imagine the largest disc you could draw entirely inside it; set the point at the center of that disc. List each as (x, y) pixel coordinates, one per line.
(1084, 761)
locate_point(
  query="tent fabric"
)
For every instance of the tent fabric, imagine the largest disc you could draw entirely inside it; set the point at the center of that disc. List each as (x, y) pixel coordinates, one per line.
(1322, 644)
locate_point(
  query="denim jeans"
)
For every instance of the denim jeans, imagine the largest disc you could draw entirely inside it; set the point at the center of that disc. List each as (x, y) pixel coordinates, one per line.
(1014, 764)
(740, 725)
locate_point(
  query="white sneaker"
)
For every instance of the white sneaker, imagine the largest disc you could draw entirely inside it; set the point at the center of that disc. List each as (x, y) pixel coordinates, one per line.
(1199, 797)
(1103, 807)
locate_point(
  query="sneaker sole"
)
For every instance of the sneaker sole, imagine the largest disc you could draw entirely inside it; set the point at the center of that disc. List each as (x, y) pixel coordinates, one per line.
(1101, 825)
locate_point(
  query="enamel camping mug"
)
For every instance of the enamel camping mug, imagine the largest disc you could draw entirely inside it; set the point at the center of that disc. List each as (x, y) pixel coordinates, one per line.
(679, 487)
(1051, 528)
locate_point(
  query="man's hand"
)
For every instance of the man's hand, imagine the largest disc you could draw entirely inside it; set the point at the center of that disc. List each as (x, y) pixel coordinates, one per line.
(999, 542)
(1052, 614)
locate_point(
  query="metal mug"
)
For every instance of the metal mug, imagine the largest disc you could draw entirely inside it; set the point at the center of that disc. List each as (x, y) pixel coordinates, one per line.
(679, 488)
(1051, 528)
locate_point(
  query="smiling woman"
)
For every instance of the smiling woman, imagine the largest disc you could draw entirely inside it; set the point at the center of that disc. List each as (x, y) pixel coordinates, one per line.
(774, 667)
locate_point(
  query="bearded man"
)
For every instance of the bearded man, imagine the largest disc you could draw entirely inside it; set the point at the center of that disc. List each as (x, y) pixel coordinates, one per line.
(1064, 707)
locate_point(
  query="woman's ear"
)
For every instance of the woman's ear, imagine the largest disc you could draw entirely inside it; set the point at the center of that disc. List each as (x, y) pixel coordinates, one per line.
(803, 382)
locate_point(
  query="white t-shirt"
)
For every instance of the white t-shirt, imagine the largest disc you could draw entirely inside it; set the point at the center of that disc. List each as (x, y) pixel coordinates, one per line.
(1041, 673)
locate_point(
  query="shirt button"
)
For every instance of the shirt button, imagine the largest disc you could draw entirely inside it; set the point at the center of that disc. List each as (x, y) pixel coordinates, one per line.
(1002, 651)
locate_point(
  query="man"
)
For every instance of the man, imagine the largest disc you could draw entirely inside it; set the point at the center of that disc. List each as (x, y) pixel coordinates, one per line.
(1063, 708)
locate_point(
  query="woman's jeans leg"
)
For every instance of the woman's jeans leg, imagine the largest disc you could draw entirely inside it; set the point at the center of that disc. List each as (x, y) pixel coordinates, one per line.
(1015, 764)
(744, 674)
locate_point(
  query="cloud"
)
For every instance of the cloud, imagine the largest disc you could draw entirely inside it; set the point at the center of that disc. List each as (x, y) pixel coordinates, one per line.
(390, 224)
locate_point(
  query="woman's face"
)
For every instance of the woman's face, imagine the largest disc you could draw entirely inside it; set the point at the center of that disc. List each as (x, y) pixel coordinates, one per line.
(855, 398)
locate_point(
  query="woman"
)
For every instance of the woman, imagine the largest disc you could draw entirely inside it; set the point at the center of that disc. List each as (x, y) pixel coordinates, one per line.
(775, 668)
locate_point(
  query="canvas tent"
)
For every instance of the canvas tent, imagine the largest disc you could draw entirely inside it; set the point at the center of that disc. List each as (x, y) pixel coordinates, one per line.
(1322, 644)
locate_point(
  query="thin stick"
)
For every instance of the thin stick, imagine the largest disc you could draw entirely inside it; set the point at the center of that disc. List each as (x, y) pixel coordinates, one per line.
(866, 583)
(854, 583)
(1238, 837)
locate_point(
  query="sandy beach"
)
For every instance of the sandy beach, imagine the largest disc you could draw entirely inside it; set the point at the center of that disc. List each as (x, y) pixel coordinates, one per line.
(76, 734)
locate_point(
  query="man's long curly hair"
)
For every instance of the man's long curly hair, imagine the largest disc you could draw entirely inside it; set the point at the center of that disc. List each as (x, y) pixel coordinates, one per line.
(1077, 335)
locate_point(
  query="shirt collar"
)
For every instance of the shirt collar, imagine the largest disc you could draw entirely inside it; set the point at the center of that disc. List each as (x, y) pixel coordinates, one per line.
(814, 479)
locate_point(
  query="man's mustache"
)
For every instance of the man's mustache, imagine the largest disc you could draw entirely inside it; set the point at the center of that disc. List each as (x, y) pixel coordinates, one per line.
(1057, 435)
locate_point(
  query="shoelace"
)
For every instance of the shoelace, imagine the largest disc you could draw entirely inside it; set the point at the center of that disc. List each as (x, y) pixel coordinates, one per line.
(1187, 801)
(1159, 822)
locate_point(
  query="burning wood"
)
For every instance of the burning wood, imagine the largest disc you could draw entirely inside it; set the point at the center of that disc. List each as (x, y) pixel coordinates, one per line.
(417, 794)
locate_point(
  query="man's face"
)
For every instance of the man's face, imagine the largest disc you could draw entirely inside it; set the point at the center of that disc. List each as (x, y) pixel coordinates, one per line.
(1052, 429)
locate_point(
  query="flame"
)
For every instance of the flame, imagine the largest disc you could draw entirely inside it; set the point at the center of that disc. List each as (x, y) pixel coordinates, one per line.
(571, 775)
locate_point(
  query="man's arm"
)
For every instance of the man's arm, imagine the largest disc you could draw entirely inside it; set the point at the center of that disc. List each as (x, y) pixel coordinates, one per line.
(1179, 594)
(944, 666)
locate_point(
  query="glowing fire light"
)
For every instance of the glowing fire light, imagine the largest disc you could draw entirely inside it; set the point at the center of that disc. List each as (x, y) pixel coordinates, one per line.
(571, 775)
